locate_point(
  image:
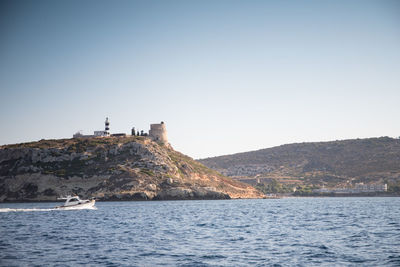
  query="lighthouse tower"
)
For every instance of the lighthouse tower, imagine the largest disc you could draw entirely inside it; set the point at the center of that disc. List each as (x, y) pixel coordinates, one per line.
(107, 127)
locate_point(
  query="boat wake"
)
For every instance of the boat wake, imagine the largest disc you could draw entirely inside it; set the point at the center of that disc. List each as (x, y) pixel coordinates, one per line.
(35, 209)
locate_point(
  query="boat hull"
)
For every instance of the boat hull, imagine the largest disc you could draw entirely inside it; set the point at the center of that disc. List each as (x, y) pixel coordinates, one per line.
(81, 206)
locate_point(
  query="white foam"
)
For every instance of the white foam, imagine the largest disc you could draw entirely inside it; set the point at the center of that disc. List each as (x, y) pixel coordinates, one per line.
(34, 209)
(15, 210)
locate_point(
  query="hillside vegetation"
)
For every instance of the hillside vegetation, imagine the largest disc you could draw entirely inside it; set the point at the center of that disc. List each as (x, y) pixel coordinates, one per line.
(112, 168)
(332, 164)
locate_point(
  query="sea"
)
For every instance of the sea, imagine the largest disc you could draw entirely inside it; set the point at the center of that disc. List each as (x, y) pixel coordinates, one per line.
(253, 232)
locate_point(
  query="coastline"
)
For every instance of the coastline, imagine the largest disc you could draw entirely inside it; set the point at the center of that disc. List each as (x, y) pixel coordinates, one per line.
(346, 195)
(267, 198)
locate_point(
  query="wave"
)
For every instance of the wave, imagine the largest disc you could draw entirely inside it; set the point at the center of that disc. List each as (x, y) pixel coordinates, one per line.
(52, 209)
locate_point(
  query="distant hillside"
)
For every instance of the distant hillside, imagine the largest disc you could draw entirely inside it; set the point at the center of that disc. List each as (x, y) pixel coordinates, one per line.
(321, 163)
(109, 168)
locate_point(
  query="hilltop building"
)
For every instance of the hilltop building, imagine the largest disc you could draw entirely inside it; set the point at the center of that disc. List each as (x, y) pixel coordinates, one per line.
(107, 127)
(95, 133)
(158, 132)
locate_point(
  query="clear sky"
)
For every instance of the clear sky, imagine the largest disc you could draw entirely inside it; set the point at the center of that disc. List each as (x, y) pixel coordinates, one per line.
(225, 76)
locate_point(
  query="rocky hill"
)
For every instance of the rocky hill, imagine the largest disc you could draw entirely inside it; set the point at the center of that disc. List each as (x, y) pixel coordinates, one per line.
(112, 168)
(321, 163)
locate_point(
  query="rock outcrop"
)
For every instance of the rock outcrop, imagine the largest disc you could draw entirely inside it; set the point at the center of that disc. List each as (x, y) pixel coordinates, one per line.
(112, 168)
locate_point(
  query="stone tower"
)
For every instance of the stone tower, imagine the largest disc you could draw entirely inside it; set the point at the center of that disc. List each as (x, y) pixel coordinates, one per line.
(158, 132)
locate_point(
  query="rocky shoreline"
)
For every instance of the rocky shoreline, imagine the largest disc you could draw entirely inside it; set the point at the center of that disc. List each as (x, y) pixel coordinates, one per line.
(111, 168)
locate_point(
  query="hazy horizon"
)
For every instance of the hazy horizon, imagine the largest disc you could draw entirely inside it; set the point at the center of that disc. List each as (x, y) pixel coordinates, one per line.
(225, 76)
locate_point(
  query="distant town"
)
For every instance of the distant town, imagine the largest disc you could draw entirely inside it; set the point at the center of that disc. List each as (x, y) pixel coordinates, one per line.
(358, 188)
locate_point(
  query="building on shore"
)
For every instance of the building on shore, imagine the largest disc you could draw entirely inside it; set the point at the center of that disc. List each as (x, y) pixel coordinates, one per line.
(357, 189)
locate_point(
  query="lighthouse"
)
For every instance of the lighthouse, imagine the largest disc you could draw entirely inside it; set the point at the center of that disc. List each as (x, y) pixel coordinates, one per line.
(106, 130)
(107, 127)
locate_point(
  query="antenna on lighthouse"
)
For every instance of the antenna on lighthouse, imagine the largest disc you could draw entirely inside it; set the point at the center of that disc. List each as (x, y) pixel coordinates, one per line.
(107, 126)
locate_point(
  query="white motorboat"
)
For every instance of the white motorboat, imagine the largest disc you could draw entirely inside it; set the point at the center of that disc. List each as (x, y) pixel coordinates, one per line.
(74, 202)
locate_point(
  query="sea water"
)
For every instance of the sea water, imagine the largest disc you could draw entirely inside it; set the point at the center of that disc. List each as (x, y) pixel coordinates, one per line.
(263, 232)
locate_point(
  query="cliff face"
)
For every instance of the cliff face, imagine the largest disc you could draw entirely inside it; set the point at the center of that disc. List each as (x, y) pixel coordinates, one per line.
(123, 168)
